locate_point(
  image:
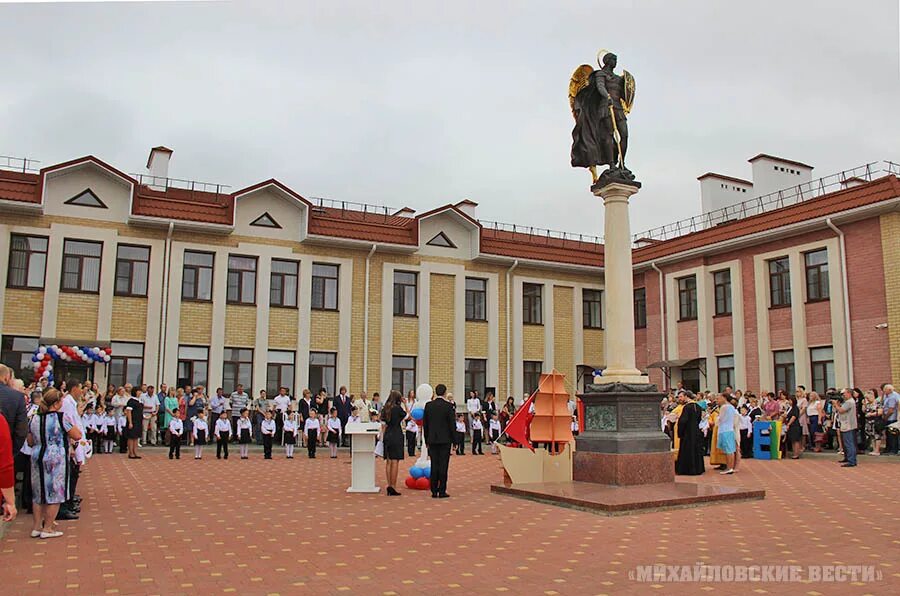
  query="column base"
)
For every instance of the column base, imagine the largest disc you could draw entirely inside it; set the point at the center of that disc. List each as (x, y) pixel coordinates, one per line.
(623, 469)
(630, 377)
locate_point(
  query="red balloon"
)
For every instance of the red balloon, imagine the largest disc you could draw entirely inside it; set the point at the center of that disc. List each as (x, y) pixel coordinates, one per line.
(422, 483)
(420, 421)
(410, 482)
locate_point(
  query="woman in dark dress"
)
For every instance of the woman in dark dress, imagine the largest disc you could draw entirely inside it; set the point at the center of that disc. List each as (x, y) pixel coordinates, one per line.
(690, 440)
(393, 415)
(134, 415)
(794, 430)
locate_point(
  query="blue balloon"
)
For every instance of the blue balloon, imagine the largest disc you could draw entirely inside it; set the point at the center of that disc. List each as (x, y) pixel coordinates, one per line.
(428, 472)
(35, 359)
(416, 472)
(418, 413)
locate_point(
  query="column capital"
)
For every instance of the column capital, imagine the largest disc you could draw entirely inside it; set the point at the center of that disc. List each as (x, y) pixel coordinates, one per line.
(615, 191)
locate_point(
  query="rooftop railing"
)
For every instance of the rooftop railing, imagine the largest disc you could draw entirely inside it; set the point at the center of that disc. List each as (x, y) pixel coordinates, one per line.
(339, 208)
(194, 187)
(769, 202)
(539, 232)
(18, 164)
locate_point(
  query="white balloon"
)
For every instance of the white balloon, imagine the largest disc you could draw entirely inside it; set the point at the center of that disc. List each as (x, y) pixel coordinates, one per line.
(42, 350)
(106, 359)
(424, 392)
(101, 353)
(95, 350)
(46, 374)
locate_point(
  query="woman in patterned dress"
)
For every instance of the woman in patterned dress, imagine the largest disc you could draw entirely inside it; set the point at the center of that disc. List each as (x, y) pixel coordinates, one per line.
(49, 434)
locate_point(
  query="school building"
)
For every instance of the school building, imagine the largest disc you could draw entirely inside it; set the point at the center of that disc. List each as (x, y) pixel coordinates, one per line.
(782, 280)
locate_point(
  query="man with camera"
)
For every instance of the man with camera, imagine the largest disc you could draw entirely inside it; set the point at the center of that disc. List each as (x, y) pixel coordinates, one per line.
(846, 409)
(891, 405)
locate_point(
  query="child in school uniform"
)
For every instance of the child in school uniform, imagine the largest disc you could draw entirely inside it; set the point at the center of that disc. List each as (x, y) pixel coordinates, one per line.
(121, 423)
(477, 435)
(312, 428)
(494, 431)
(267, 429)
(90, 427)
(334, 432)
(289, 434)
(109, 434)
(199, 432)
(244, 432)
(746, 428)
(222, 432)
(574, 426)
(176, 430)
(412, 433)
(460, 434)
(354, 417)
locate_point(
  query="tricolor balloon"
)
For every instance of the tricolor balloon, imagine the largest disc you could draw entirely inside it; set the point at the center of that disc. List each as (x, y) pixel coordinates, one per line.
(43, 357)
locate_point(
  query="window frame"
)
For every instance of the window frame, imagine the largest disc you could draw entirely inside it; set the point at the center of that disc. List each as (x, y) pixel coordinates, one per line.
(404, 287)
(80, 259)
(787, 370)
(477, 296)
(197, 268)
(236, 366)
(723, 303)
(191, 362)
(823, 289)
(824, 365)
(688, 294)
(781, 290)
(126, 360)
(475, 380)
(337, 287)
(21, 366)
(325, 367)
(131, 277)
(241, 273)
(28, 255)
(640, 308)
(529, 374)
(403, 388)
(586, 311)
(729, 380)
(281, 375)
(532, 305)
(283, 276)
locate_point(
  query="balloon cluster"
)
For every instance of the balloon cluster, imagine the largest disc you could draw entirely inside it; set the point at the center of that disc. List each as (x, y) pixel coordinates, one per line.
(418, 415)
(419, 478)
(43, 358)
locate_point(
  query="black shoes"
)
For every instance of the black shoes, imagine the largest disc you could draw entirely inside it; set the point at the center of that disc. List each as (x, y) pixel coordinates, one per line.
(443, 496)
(392, 492)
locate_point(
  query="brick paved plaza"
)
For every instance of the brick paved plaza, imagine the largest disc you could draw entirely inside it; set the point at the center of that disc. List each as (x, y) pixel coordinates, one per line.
(156, 526)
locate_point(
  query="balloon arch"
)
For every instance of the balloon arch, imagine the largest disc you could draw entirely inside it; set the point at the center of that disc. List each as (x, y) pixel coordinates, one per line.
(44, 356)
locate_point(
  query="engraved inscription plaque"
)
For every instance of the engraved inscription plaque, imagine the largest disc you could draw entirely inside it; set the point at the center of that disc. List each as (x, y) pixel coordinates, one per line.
(640, 417)
(600, 417)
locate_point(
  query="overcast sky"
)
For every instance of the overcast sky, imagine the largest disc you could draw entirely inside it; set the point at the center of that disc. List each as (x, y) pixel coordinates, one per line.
(423, 103)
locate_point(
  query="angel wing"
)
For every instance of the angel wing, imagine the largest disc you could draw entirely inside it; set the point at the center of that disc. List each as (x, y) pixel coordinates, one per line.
(628, 100)
(580, 79)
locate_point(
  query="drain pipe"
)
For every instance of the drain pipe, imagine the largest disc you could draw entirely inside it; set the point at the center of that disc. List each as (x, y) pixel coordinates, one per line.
(846, 293)
(366, 321)
(508, 328)
(662, 313)
(164, 307)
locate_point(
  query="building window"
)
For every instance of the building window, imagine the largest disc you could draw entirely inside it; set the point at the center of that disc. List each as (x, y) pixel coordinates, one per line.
(126, 365)
(687, 298)
(817, 275)
(532, 309)
(780, 282)
(722, 285)
(132, 270)
(322, 372)
(725, 366)
(592, 306)
(476, 299)
(531, 375)
(16, 353)
(280, 372)
(241, 280)
(325, 286)
(81, 266)
(822, 361)
(405, 301)
(640, 308)
(690, 379)
(197, 275)
(784, 370)
(193, 366)
(476, 375)
(403, 374)
(27, 261)
(283, 288)
(237, 369)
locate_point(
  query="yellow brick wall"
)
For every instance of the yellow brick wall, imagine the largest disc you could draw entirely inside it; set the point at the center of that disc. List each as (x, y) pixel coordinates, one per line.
(563, 348)
(594, 353)
(283, 324)
(406, 336)
(323, 332)
(441, 366)
(196, 323)
(533, 342)
(129, 318)
(240, 326)
(76, 316)
(890, 246)
(477, 339)
(22, 312)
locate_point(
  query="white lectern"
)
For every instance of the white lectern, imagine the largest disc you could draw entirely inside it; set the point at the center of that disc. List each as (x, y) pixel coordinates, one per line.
(362, 456)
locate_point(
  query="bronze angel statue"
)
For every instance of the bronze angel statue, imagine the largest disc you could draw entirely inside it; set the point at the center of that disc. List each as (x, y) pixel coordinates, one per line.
(600, 101)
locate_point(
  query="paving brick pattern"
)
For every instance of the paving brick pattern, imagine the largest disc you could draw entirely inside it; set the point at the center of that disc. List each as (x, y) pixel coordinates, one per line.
(156, 526)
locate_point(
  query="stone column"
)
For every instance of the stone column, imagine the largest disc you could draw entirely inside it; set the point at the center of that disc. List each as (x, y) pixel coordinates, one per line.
(619, 286)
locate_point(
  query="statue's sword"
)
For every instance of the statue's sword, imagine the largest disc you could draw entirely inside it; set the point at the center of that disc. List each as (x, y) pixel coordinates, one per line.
(617, 136)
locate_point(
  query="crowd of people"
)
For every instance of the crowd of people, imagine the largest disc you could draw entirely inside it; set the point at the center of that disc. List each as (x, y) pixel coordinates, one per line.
(721, 425)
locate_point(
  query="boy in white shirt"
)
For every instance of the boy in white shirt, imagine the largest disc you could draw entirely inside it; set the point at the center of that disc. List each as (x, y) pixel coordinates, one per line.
(311, 428)
(267, 429)
(477, 435)
(460, 434)
(494, 432)
(222, 432)
(176, 429)
(412, 433)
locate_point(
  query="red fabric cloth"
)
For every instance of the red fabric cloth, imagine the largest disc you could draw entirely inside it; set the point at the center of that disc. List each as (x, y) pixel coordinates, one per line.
(7, 471)
(517, 428)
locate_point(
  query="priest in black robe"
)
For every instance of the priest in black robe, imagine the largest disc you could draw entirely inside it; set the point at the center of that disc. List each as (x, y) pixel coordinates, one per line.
(690, 437)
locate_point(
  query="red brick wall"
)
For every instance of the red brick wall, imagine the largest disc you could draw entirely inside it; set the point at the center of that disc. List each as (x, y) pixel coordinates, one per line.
(687, 340)
(781, 335)
(818, 324)
(723, 342)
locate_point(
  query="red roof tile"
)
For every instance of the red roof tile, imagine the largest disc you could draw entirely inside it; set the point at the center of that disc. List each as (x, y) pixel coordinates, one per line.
(361, 225)
(178, 203)
(541, 248)
(19, 186)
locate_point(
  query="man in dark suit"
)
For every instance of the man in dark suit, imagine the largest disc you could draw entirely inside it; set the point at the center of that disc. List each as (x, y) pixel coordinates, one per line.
(12, 407)
(439, 428)
(343, 404)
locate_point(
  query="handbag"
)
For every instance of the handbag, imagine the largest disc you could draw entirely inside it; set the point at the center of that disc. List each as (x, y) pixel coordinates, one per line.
(819, 437)
(379, 448)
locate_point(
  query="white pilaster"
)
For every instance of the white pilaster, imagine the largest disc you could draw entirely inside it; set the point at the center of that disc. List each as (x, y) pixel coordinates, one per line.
(802, 372)
(219, 294)
(493, 317)
(4, 272)
(52, 282)
(345, 317)
(737, 326)
(304, 318)
(154, 307)
(261, 345)
(839, 329)
(107, 285)
(169, 373)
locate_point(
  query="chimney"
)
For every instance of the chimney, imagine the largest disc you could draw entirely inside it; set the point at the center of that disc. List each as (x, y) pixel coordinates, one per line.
(467, 207)
(158, 167)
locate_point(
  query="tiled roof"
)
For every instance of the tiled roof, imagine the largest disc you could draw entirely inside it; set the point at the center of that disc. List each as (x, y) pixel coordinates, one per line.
(876, 191)
(541, 248)
(19, 186)
(178, 203)
(361, 225)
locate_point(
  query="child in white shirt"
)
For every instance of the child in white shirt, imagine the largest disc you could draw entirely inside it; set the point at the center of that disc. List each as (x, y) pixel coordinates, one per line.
(334, 432)
(222, 432)
(267, 429)
(109, 422)
(477, 435)
(289, 435)
(746, 429)
(494, 432)
(244, 432)
(460, 434)
(412, 433)
(176, 430)
(311, 429)
(199, 432)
